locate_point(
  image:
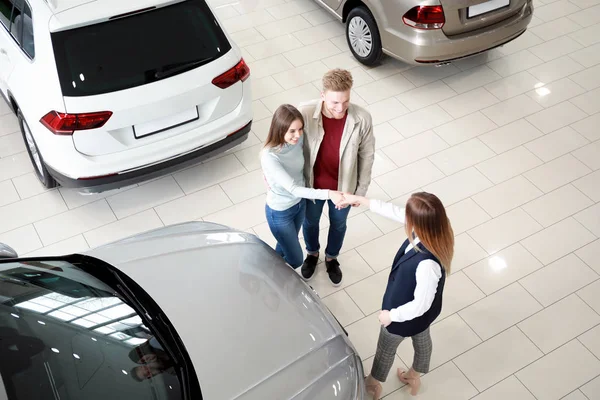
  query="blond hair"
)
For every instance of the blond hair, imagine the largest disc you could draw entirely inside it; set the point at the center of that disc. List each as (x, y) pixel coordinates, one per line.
(426, 216)
(337, 80)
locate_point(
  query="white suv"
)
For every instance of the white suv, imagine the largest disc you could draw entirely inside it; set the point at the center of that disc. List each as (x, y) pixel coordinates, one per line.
(110, 93)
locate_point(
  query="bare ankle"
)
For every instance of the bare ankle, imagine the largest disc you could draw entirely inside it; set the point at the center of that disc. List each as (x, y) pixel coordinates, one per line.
(412, 374)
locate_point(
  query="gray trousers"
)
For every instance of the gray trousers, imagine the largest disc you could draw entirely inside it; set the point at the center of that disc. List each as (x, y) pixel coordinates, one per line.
(386, 353)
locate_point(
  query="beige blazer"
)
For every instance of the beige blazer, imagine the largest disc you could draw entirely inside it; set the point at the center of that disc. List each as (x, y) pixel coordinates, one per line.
(357, 149)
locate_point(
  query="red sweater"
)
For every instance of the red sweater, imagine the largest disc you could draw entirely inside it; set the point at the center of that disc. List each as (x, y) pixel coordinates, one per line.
(327, 164)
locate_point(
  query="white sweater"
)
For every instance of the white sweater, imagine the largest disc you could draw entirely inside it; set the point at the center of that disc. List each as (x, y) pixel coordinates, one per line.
(283, 168)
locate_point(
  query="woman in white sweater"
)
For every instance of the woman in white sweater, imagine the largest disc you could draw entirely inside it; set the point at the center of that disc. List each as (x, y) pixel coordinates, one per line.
(282, 161)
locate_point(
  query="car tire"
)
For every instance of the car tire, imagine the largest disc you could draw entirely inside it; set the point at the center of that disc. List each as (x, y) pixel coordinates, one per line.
(34, 155)
(363, 37)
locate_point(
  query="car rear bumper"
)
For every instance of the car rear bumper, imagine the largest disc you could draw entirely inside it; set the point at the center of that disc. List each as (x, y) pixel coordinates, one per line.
(434, 47)
(125, 178)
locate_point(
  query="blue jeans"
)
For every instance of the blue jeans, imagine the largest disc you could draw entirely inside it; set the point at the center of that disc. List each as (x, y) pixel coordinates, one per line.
(285, 227)
(337, 227)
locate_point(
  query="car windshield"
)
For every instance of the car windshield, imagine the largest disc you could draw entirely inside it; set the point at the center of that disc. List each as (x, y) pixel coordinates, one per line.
(138, 49)
(65, 334)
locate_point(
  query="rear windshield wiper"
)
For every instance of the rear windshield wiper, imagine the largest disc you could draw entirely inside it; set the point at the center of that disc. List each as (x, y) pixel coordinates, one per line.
(173, 69)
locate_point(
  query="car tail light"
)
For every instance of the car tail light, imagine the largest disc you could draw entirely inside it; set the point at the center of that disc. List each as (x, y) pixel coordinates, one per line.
(65, 124)
(240, 72)
(425, 17)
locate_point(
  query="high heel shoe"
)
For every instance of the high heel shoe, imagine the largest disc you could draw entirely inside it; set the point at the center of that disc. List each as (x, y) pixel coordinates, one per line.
(401, 376)
(414, 383)
(375, 389)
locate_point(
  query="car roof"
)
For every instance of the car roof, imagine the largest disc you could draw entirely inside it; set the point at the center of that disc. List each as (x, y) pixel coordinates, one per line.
(67, 14)
(58, 6)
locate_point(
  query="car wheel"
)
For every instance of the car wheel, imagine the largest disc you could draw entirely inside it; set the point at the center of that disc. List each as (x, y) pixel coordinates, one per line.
(34, 154)
(363, 36)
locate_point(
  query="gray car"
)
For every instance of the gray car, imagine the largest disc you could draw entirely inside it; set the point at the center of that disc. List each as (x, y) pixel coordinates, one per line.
(428, 31)
(189, 311)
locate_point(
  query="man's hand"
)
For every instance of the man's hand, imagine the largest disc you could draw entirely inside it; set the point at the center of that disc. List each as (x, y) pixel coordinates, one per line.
(337, 198)
(352, 200)
(384, 318)
(349, 200)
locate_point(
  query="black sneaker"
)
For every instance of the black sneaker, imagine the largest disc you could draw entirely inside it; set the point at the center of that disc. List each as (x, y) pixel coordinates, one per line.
(334, 272)
(309, 266)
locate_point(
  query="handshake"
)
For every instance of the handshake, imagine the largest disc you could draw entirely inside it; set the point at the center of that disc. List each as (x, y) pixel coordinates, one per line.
(343, 200)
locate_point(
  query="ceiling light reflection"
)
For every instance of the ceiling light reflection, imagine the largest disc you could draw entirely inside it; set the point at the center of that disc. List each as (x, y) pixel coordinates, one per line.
(497, 263)
(543, 91)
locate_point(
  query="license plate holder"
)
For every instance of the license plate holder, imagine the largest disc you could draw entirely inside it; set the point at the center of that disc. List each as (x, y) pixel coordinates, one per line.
(488, 6)
(165, 123)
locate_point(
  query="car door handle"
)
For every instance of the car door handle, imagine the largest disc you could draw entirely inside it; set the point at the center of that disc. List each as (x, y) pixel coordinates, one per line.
(2, 51)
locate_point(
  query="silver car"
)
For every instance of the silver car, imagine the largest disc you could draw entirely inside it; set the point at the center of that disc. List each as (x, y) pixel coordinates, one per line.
(190, 311)
(428, 31)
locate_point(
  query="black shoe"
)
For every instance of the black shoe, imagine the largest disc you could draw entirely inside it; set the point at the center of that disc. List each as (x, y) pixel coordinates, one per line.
(309, 266)
(334, 272)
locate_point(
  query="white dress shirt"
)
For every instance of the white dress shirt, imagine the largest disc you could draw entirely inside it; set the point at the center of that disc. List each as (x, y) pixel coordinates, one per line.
(428, 272)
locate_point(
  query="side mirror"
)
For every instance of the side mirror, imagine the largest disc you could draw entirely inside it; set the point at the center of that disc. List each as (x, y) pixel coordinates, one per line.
(7, 252)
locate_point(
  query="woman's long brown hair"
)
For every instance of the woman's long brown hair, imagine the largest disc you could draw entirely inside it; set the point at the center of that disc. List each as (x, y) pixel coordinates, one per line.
(282, 119)
(426, 216)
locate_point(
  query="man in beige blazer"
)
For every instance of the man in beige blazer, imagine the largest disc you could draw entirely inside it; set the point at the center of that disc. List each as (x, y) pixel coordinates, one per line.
(339, 150)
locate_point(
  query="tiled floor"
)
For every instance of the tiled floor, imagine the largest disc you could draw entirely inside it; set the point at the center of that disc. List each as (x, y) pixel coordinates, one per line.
(510, 140)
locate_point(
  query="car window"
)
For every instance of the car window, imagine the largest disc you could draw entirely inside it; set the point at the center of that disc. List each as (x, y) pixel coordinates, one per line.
(22, 27)
(16, 27)
(26, 41)
(66, 334)
(6, 7)
(139, 49)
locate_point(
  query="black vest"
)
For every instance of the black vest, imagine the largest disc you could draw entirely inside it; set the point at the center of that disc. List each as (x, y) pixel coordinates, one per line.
(401, 288)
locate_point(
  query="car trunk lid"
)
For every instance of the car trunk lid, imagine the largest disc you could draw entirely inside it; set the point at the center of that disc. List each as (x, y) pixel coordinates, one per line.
(156, 82)
(156, 111)
(464, 16)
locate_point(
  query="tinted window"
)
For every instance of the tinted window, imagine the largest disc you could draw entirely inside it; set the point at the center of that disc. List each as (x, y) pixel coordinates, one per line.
(6, 7)
(22, 27)
(27, 38)
(66, 334)
(136, 50)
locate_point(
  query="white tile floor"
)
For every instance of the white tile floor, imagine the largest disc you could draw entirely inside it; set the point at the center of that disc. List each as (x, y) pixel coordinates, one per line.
(510, 141)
